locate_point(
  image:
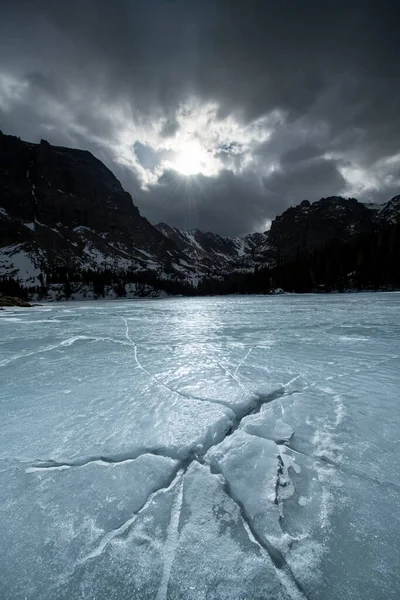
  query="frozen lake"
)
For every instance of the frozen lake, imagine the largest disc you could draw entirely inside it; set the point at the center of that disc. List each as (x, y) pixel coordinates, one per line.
(218, 448)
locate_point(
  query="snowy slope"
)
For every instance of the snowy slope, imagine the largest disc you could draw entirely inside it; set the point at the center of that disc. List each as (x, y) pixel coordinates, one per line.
(220, 253)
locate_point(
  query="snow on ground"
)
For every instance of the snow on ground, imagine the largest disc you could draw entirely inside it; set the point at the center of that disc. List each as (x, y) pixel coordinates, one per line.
(16, 262)
(83, 229)
(240, 246)
(144, 252)
(190, 236)
(97, 259)
(185, 263)
(218, 448)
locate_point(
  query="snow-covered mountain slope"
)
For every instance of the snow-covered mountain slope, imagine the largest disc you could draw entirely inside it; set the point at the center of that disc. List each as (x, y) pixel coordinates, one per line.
(225, 254)
(388, 213)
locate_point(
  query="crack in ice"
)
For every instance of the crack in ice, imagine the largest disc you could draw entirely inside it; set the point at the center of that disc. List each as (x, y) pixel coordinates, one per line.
(234, 377)
(253, 347)
(114, 533)
(113, 459)
(62, 344)
(274, 554)
(242, 360)
(252, 408)
(341, 467)
(161, 383)
(172, 540)
(284, 571)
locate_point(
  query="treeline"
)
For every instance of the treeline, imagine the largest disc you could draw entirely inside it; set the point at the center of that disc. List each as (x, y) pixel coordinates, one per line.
(12, 287)
(103, 278)
(70, 279)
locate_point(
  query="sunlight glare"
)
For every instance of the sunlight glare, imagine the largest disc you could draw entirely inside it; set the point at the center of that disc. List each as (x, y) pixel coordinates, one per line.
(191, 160)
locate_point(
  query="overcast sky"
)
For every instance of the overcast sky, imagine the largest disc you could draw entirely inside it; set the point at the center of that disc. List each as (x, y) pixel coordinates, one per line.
(214, 114)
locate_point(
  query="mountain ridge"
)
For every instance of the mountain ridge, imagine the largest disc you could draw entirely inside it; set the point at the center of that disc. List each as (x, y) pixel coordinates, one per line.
(62, 209)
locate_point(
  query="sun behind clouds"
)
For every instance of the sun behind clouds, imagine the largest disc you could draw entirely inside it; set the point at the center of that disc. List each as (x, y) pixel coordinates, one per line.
(203, 144)
(192, 159)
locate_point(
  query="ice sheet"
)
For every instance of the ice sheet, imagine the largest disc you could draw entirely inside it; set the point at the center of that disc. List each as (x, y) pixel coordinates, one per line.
(226, 448)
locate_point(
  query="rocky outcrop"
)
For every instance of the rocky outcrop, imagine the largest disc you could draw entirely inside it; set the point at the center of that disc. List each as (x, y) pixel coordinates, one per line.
(307, 227)
(7, 301)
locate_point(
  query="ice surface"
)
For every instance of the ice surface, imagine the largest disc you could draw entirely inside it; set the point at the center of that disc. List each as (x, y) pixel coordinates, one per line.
(224, 448)
(61, 517)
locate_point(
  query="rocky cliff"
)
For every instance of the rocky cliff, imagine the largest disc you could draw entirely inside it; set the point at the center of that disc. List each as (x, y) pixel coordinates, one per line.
(61, 206)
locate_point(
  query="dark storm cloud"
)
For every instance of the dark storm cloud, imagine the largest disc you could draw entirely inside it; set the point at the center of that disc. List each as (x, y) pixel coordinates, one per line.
(234, 205)
(76, 72)
(316, 177)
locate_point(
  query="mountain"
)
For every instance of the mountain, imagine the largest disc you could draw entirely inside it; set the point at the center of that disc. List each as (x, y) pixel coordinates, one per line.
(219, 254)
(307, 227)
(386, 214)
(65, 219)
(63, 207)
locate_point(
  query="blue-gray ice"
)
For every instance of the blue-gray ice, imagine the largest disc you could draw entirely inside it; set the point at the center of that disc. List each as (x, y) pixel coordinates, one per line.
(219, 448)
